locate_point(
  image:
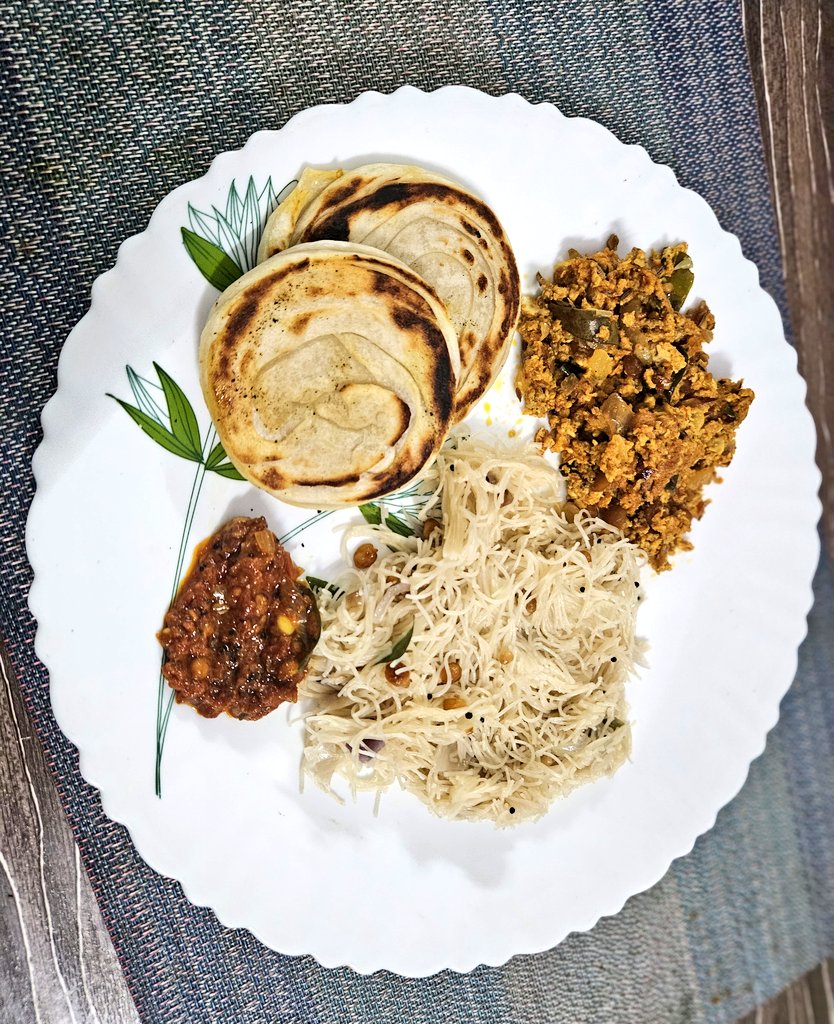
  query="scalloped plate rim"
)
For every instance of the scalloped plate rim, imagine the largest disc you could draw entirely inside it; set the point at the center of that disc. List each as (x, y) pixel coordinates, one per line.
(734, 779)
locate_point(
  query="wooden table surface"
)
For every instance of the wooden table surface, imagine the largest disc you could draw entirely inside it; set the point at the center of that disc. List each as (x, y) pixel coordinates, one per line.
(58, 964)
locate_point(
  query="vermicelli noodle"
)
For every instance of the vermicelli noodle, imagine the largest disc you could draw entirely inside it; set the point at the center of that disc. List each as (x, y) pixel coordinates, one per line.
(511, 690)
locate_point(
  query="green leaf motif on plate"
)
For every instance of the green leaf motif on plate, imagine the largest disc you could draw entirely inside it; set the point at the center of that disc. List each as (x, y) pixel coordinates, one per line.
(149, 397)
(397, 525)
(176, 430)
(224, 242)
(227, 470)
(217, 462)
(216, 456)
(223, 245)
(215, 266)
(372, 513)
(156, 431)
(183, 421)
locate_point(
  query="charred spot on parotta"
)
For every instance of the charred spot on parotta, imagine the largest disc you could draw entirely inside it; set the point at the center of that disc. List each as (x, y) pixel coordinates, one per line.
(447, 235)
(330, 374)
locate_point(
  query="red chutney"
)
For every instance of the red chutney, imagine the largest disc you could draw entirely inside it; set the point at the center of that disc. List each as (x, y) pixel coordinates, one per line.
(242, 626)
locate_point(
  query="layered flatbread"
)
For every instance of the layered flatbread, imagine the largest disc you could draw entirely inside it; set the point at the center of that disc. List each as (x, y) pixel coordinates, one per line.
(329, 371)
(449, 236)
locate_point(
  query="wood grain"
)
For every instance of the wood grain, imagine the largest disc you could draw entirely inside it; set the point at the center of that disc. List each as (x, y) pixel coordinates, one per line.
(791, 49)
(808, 1000)
(57, 965)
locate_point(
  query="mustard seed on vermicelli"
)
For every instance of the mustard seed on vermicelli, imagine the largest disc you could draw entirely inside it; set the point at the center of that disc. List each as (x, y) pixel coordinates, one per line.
(511, 690)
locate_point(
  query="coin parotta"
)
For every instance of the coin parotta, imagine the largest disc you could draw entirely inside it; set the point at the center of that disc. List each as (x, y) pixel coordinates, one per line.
(446, 234)
(329, 371)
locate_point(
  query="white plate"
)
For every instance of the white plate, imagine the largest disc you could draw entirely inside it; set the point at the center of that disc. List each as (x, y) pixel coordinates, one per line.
(405, 891)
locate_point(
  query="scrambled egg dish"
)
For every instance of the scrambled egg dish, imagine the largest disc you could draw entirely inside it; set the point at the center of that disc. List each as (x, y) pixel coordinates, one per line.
(620, 374)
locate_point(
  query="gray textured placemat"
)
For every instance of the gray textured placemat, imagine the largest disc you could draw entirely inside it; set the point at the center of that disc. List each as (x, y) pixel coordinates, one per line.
(106, 108)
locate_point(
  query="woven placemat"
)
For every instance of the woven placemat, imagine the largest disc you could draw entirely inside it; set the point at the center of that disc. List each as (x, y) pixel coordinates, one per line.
(107, 107)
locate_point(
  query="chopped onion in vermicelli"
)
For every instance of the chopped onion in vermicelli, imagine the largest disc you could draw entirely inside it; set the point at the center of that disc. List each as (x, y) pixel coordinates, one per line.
(511, 689)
